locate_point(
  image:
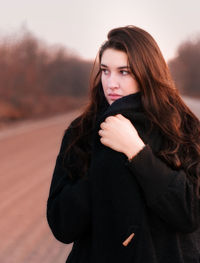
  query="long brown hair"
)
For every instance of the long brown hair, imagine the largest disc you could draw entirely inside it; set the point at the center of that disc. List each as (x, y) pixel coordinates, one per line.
(160, 98)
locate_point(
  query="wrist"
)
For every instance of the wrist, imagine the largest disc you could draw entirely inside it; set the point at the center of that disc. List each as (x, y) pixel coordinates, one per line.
(131, 153)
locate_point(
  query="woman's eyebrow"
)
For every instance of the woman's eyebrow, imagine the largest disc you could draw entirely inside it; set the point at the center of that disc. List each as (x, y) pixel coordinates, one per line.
(121, 67)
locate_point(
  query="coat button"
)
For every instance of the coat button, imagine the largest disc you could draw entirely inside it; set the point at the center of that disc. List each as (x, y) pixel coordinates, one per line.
(128, 239)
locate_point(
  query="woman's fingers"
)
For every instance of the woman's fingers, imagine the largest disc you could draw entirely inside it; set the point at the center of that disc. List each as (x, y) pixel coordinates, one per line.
(100, 132)
(102, 126)
(112, 121)
(120, 116)
(109, 118)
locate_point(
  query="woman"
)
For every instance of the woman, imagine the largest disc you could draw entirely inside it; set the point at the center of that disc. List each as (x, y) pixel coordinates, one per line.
(126, 182)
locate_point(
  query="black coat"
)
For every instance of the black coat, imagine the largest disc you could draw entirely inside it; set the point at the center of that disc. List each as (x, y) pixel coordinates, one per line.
(145, 197)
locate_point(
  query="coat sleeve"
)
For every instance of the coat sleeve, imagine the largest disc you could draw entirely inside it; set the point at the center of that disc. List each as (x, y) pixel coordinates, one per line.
(169, 193)
(68, 205)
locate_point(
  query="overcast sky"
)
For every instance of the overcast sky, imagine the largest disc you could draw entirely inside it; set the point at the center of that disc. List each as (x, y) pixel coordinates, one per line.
(82, 25)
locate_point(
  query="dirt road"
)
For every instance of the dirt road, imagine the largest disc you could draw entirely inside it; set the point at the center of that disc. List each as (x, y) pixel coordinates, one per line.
(27, 157)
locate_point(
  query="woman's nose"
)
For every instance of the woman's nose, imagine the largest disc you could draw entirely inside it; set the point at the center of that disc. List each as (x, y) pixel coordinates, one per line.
(113, 82)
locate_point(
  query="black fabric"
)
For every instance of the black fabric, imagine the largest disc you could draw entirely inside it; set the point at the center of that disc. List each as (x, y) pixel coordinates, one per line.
(144, 196)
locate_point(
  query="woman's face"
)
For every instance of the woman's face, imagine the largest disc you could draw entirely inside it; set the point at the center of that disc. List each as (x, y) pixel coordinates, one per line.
(116, 77)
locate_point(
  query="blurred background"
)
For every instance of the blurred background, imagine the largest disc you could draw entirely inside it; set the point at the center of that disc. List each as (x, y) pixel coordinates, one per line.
(47, 49)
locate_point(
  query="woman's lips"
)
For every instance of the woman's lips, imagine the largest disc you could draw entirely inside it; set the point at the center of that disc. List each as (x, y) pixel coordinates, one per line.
(114, 96)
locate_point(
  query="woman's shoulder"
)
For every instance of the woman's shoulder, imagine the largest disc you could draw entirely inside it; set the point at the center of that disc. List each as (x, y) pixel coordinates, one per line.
(68, 133)
(75, 121)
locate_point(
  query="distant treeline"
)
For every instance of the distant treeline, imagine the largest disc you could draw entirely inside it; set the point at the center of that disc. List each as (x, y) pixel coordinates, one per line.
(38, 80)
(185, 68)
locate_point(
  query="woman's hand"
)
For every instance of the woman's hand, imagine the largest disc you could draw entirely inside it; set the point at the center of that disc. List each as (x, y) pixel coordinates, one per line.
(118, 133)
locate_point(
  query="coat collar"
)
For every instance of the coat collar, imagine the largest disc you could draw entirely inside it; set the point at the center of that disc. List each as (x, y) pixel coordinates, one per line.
(130, 102)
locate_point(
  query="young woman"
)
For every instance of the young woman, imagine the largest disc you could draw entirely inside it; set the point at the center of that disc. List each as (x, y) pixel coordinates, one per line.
(125, 187)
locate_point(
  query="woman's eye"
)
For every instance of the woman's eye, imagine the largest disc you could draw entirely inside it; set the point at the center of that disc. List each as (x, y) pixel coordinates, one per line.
(104, 70)
(124, 72)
